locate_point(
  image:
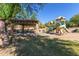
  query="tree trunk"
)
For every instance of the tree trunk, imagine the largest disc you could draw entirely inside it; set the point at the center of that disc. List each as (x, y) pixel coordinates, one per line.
(5, 27)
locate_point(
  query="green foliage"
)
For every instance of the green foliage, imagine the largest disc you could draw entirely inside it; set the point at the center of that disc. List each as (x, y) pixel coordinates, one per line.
(75, 20)
(76, 30)
(29, 10)
(32, 7)
(68, 24)
(17, 9)
(49, 24)
(42, 26)
(34, 16)
(22, 14)
(8, 10)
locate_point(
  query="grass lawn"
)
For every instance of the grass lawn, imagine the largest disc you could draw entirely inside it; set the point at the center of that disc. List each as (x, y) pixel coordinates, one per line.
(41, 46)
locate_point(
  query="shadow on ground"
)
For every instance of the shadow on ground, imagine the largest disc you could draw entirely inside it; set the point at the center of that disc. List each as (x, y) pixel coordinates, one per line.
(41, 46)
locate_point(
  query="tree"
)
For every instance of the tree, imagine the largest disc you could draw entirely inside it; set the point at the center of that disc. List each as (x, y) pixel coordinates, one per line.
(75, 20)
(22, 14)
(33, 16)
(41, 25)
(68, 24)
(25, 10)
(50, 24)
(29, 9)
(9, 10)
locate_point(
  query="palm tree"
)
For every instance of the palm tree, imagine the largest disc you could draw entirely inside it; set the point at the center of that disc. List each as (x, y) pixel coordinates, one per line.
(28, 9)
(33, 16)
(22, 14)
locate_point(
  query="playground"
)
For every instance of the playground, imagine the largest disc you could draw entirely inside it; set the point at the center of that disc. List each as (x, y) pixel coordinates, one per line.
(23, 34)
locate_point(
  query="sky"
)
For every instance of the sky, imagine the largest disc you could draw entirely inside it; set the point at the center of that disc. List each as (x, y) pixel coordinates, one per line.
(52, 10)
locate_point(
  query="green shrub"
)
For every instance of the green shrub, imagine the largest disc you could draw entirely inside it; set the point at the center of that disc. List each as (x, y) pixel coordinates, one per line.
(76, 30)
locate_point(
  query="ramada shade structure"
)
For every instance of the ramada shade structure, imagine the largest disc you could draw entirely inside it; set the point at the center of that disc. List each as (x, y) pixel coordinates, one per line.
(25, 22)
(29, 22)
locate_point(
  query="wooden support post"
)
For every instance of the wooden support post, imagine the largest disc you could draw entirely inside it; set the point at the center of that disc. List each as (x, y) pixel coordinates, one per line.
(37, 27)
(23, 29)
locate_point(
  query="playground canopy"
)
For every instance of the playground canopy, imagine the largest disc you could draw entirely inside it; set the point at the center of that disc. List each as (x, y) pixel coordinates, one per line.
(60, 17)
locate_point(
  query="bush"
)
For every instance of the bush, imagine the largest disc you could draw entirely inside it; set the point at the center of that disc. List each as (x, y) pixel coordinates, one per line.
(76, 30)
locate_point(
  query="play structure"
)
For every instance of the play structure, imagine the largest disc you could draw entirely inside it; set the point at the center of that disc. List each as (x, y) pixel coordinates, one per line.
(59, 27)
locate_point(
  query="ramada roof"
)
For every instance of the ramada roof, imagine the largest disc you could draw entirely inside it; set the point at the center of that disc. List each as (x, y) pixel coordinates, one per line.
(24, 21)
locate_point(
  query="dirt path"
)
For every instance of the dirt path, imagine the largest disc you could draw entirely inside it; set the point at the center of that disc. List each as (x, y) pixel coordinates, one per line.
(66, 36)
